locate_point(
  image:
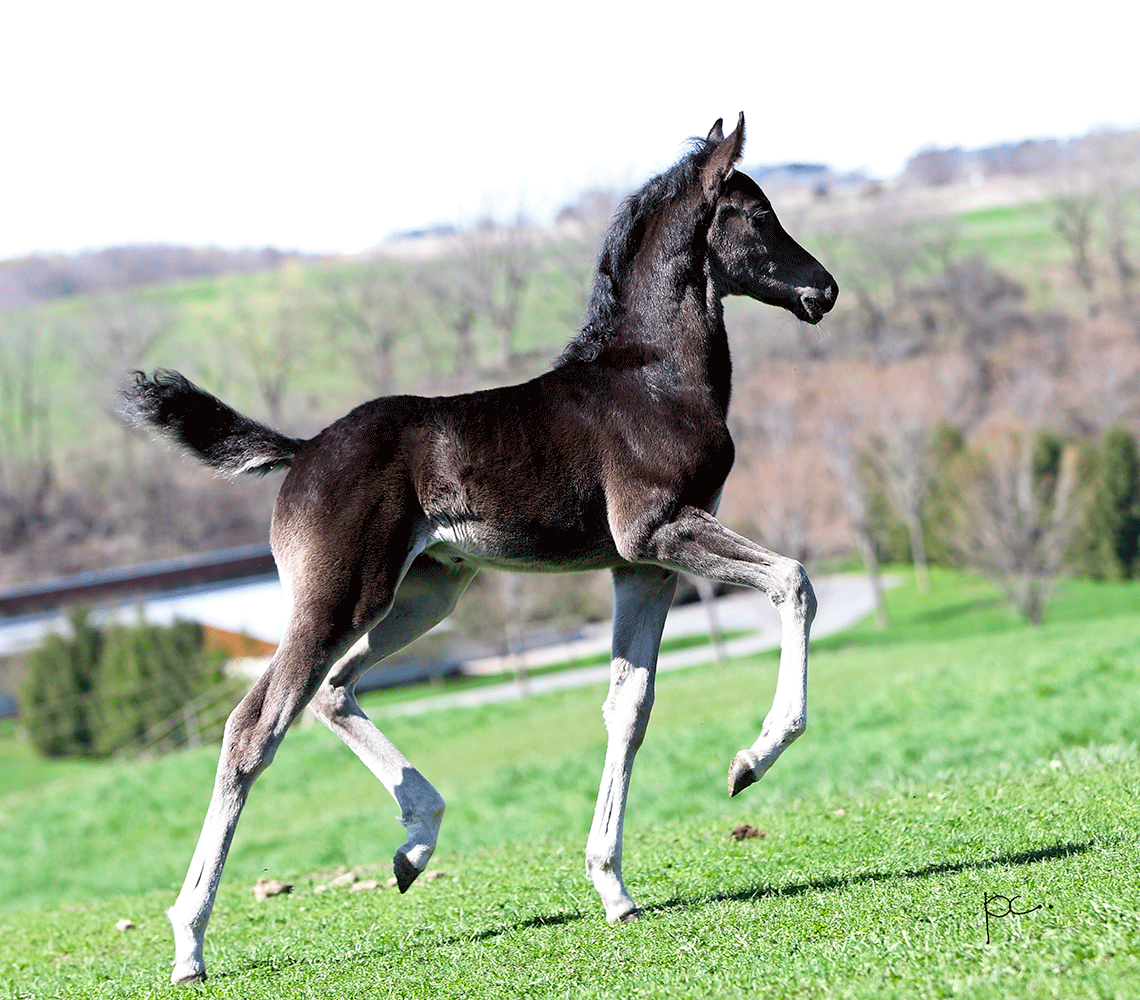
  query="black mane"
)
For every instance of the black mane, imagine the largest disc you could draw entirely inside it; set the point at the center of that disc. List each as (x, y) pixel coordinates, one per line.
(604, 311)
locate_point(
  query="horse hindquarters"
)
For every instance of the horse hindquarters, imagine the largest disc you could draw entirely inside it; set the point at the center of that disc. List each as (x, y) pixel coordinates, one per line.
(340, 588)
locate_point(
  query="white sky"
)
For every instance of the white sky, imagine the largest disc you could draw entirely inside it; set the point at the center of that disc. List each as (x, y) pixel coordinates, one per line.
(326, 126)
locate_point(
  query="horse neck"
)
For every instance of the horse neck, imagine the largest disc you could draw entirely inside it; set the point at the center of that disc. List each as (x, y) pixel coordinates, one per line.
(674, 315)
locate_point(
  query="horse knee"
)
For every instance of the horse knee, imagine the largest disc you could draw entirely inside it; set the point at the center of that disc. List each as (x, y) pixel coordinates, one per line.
(795, 592)
(626, 709)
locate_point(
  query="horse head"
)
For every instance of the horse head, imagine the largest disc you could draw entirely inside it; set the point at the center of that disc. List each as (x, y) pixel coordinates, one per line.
(749, 252)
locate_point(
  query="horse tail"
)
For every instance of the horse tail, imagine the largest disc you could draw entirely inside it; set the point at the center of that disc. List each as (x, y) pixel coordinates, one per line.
(172, 408)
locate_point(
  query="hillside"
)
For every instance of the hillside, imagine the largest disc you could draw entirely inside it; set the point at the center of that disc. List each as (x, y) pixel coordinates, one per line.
(28, 281)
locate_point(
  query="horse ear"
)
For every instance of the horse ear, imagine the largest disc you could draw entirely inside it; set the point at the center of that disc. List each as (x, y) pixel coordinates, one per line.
(722, 163)
(716, 133)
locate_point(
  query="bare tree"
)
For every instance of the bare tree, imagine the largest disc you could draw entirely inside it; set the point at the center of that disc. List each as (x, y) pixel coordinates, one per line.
(900, 453)
(776, 449)
(450, 293)
(1014, 525)
(884, 260)
(579, 232)
(376, 306)
(29, 354)
(843, 458)
(270, 336)
(1118, 167)
(1105, 385)
(1073, 218)
(516, 615)
(502, 262)
(120, 331)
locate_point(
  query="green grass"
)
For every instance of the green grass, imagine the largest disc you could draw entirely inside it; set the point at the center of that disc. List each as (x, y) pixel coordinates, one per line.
(957, 756)
(1017, 238)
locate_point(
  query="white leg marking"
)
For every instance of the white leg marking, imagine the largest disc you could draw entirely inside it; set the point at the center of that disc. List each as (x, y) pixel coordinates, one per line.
(642, 596)
(787, 719)
(426, 596)
(254, 730)
(697, 543)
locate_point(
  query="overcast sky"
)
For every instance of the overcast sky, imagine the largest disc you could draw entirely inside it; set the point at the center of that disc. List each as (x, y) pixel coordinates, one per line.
(327, 126)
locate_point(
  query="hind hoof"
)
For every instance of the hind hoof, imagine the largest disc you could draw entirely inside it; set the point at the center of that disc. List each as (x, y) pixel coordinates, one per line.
(406, 873)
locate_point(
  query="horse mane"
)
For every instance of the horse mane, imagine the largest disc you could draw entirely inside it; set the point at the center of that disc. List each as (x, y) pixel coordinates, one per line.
(604, 311)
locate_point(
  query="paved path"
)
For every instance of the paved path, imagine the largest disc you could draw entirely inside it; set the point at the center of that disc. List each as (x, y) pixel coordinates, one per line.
(843, 600)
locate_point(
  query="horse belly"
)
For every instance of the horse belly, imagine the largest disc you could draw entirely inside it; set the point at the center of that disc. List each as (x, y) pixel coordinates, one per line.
(546, 550)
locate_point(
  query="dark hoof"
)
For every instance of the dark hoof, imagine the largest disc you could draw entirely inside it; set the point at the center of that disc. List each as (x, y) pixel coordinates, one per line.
(406, 873)
(198, 977)
(629, 918)
(740, 776)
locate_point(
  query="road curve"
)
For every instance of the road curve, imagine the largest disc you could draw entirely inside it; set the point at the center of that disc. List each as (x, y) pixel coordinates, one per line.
(843, 600)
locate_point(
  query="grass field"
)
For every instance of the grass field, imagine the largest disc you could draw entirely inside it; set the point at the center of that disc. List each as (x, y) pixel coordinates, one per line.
(957, 759)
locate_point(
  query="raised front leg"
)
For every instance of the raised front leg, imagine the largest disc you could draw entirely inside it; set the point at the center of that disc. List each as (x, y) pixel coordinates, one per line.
(642, 595)
(696, 542)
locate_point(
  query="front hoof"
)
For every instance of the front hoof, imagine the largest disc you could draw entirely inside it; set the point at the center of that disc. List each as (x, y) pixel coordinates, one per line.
(741, 774)
(406, 873)
(187, 977)
(624, 912)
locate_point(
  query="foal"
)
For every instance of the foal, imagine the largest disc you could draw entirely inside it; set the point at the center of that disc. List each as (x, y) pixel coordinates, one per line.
(615, 459)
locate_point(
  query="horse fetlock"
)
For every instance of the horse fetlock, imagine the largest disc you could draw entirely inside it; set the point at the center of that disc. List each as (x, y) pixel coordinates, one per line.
(782, 731)
(189, 962)
(618, 905)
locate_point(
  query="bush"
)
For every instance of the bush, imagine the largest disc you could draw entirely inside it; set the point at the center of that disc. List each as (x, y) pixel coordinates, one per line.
(1112, 534)
(57, 691)
(102, 691)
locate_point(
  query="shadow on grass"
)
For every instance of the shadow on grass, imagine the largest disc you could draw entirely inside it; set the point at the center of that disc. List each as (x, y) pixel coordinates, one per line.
(427, 946)
(936, 616)
(1051, 853)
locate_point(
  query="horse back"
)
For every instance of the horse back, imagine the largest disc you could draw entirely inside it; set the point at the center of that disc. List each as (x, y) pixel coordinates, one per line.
(523, 477)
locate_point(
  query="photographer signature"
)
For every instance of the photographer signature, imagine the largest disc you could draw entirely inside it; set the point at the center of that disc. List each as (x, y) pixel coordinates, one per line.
(998, 907)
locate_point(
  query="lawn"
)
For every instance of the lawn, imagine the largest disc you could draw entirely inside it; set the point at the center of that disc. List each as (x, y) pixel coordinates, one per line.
(952, 764)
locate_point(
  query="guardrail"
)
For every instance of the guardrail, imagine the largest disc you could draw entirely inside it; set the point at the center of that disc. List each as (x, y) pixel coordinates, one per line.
(98, 586)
